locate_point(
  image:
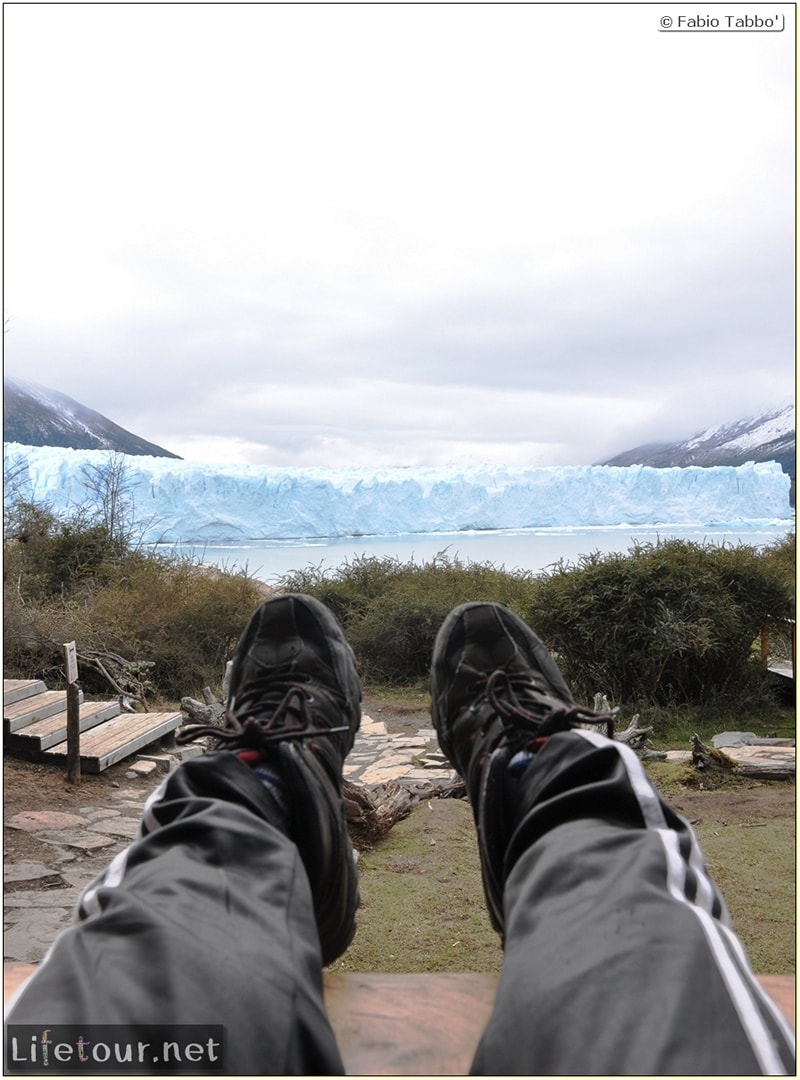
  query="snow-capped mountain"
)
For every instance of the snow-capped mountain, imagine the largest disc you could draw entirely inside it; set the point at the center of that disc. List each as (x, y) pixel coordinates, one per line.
(763, 438)
(37, 416)
(770, 437)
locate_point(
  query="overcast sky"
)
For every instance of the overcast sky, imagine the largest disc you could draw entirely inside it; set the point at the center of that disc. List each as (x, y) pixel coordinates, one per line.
(400, 234)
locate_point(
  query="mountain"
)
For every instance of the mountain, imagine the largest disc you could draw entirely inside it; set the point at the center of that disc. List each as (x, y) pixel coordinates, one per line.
(770, 437)
(37, 416)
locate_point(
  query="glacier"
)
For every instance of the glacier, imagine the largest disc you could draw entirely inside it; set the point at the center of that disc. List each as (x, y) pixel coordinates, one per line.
(177, 501)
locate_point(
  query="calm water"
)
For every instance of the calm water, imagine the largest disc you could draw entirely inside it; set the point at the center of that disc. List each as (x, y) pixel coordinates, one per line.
(524, 549)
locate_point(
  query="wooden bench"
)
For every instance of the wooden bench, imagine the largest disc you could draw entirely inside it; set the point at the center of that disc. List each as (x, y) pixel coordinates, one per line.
(392, 1025)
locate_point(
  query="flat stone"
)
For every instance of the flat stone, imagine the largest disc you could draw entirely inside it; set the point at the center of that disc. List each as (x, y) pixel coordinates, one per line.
(28, 899)
(132, 808)
(28, 941)
(125, 827)
(371, 744)
(187, 752)
(733, 738)
(381, 774)
(747, 738)
(426, 775)
(79, 879)
(144, 768)
(372, 727)
(164, 762)
(102, 814)
(89, 842)
(776, 755)
(27, 872)
(34, 820)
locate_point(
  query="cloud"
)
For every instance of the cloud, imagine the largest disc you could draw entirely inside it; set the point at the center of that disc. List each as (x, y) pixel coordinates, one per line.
(399, 234)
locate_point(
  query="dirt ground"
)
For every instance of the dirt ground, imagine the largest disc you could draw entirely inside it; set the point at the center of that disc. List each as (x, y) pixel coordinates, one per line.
(27, 786)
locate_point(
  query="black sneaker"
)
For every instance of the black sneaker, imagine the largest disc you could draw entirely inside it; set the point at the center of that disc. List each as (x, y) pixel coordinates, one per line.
(496, 695)
(294, 707)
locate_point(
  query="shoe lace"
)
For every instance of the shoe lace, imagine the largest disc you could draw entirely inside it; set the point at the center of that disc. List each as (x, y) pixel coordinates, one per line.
(521, 703)
(271, 709)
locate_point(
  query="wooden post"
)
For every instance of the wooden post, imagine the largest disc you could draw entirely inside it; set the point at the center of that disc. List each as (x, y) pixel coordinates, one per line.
(73, 714)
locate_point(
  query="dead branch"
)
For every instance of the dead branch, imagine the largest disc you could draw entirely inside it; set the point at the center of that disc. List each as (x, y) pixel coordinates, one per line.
(127, 677)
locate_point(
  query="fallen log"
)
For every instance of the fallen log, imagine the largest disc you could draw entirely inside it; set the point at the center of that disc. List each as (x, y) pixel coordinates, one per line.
(208, 712)
(371, 812)
(637, 738)
(710, 758)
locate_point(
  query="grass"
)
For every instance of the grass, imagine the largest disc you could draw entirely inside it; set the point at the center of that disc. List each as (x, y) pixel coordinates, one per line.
(422, 906)
(754, 866)
(422, 899)
(674, 727)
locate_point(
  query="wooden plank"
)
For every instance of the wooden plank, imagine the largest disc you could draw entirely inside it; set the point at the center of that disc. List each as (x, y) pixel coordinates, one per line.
(408, 1025)
(392, 1025)
(118, 738)
(414, 1025)
(29, 710)
(17, 689)
(43, 734)
(782, 990)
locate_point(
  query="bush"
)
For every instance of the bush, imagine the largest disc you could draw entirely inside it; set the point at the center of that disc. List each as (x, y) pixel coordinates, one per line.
(182, 620)
(71, 579)
(670, 623)
(50, 556)
(392, 611)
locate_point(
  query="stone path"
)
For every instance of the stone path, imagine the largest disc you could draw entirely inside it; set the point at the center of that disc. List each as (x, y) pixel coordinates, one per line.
(377, 758)
(39, 896)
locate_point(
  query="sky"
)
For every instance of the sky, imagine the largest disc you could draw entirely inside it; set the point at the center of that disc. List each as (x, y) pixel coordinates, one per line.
(423, 234)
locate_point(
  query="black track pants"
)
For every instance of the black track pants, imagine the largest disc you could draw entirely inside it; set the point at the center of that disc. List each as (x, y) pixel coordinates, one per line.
(618, 958)
(206, 920)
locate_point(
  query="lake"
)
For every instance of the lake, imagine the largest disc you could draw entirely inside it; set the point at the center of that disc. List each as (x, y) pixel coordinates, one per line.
(522, 549)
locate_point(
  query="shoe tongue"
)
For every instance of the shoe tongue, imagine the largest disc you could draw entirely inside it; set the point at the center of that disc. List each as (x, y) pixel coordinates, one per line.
(294, 657)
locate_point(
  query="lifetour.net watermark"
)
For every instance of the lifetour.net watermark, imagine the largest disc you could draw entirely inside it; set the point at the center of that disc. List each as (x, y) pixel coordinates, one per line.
(114, 1049)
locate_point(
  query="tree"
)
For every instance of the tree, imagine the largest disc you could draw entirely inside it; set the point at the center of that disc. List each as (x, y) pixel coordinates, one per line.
(110, 485)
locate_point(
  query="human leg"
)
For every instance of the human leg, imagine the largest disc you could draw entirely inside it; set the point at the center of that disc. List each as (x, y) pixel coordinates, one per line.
(618, 956)
(242, 882)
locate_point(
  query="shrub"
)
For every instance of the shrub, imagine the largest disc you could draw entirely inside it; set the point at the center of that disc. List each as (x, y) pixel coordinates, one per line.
(71, 579)
(391, 611)
(51, 556)
(671, 622)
